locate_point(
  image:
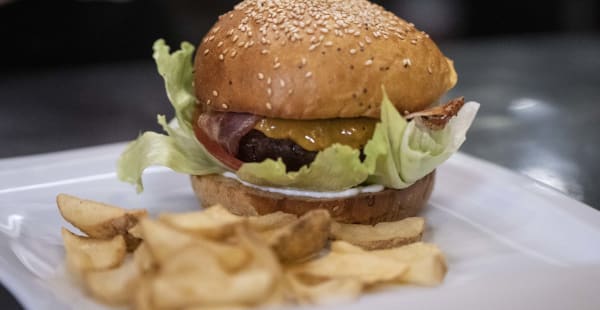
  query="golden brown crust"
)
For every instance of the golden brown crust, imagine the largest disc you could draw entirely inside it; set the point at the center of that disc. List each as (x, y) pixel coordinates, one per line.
(318, 65)
(367, 208)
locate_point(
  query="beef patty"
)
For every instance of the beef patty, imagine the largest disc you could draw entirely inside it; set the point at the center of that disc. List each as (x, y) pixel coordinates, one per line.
(256, 147)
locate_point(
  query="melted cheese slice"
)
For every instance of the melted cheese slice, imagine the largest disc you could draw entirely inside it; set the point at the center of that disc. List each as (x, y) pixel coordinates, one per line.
(316, 135)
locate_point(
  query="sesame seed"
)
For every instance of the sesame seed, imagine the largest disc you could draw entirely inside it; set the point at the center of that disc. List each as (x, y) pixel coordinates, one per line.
(328, 43)
(221, 57)
(304, 61)
(215, 93)
(261, 76)
(313, 47)
(352, 51)
(225, 106)
(268, 105)
(208, 102)
(406, 62)
(211, 38)
(220, 44)
(235, 38)
(264, 52)
(277, 65)
(233, 53)
(290, 91)
(206, 51)
(268, 81)
(368, 62)
(308, 74)
(269, 91)
(429, 70)
(282, 83)
(289, 20)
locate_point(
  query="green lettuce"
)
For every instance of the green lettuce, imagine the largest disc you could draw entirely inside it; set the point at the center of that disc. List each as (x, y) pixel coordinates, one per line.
(398, 154)
(335, 168)
(401, 152)
(179, 149)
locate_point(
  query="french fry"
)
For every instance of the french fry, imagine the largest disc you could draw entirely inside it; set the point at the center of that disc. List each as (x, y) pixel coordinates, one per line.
(322, 291)
(382, 235)
(213, 259)
(113, 286)
(364, 267)
(85, 254)
(214, 222)
(195, 277)
(271, 221)
(99, 220)
(426, 262)
(302, 238)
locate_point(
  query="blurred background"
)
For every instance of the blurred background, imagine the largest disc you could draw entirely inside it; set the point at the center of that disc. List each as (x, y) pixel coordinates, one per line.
(79, 73)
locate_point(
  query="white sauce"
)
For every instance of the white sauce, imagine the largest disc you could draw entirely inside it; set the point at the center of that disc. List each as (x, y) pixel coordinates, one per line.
(312, 194)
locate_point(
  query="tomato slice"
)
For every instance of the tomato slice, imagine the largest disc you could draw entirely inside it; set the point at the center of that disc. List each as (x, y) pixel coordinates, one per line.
(217, 150)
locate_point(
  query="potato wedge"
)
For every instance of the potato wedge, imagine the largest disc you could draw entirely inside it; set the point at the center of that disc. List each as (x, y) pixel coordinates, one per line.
(271, 221)
(195, 278)
(113, 286)
(164, 241)
(426, 262)
(99, 220)
(85, 254)
(142, 294)
(214, 222)
(301, 239)
(322, 291)
(143, 259)
(382, 235)
(364, 267)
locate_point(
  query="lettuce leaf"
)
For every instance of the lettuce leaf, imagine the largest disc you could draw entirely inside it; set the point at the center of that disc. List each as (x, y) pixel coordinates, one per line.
(401, 152)
(179, 149)
(335, 168)
(398, 154)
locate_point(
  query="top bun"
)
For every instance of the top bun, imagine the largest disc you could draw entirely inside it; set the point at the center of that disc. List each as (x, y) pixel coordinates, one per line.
(317, 59)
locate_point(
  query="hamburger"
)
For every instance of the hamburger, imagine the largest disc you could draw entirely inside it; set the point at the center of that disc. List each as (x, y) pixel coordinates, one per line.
(294, 105)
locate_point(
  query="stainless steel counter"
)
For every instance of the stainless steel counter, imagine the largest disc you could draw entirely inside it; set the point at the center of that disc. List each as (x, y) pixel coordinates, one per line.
(540, 113)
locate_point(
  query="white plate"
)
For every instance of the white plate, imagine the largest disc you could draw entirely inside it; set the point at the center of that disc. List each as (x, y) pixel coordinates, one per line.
(510, 242)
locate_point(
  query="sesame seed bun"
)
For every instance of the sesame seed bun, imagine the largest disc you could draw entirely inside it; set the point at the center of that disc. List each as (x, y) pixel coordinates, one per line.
(367, 208)
(316, 59)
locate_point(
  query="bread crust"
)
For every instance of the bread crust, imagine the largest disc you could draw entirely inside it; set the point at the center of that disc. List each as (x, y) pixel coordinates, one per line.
(286, 68)
(366, 208)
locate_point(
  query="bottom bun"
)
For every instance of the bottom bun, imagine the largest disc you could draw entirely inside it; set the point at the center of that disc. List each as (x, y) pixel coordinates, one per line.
(365, 208)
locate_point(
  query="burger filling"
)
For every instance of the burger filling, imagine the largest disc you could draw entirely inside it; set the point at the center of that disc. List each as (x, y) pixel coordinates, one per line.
(249, 138)
(252, 139)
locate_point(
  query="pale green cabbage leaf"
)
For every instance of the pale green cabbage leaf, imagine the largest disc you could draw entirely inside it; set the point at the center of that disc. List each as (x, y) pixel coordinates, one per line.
(179, 149)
